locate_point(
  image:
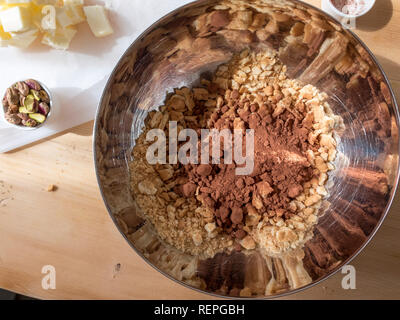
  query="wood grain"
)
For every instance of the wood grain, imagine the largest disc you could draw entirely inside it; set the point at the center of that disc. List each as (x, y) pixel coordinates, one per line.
(71, 230)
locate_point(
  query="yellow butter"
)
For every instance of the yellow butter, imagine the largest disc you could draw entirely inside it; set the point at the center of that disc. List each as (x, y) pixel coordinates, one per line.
(59, 39)
(70, 15)
(23, 39)
(74, 2)
(4, 35)
(15, 19)
(17, 1)
(48, 2)
(98, 21)
(4, 38)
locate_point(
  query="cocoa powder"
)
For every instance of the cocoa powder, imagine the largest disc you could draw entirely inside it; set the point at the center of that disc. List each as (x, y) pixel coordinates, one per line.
(280, 164)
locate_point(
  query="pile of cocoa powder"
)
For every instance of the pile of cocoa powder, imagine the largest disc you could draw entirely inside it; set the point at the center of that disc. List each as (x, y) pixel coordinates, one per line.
(280, 165)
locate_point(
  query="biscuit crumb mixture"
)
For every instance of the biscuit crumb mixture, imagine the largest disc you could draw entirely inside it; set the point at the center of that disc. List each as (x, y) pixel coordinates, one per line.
(204, 209)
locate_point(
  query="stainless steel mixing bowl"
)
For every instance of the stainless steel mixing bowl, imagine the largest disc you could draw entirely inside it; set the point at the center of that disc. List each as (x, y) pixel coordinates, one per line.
(186, 43)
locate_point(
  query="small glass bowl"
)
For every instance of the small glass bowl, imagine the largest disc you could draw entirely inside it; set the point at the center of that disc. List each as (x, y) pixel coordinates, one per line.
(328, 7)
(21, 127)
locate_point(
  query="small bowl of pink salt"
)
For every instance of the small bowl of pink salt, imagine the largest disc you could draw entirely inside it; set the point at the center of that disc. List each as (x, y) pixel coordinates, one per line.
(347, 8)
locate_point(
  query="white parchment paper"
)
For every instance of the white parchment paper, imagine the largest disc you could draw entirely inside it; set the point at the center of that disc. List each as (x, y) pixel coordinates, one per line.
(76, 77)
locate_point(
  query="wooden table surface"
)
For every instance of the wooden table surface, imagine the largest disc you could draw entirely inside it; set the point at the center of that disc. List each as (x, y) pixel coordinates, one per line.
(71, 229)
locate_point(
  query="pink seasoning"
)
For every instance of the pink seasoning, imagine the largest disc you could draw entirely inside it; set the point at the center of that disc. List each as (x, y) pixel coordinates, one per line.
(351, 7)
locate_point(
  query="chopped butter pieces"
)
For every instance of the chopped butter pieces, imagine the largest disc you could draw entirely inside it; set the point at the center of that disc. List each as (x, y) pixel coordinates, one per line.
(98, 21)
(70, 15)
(74, 2)
(50, 2)
(4, 38)
(21, 22)
(23, 39)
(15, 19)
(18, 1)
(59, 39)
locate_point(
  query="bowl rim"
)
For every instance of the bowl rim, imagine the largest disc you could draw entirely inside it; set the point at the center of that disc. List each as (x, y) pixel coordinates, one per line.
(279, 295)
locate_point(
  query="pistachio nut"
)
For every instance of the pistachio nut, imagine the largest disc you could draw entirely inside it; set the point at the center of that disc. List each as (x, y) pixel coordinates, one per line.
(44, 108)
(37, 117)
(12, 118)
(29, 123)
(44, 96)
(29, 103)
(33, 84)
(23, 88)
(23, 116)
(21, 100)
(24, 110)
(13, 108)
(35, 94)
(12, 96)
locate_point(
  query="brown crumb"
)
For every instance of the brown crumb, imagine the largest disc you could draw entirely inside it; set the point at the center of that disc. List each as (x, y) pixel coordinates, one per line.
(52, 188)
(117, 269)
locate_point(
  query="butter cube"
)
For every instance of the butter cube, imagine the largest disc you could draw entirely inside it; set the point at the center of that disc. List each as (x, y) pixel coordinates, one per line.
(98, 21)
(4, 35)
(4, 38)
(59, 39)
(74, 2)
(23, 39)
(70, 15)
(15, 19)
(18, 39)
(50, 2)
(18, 1)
